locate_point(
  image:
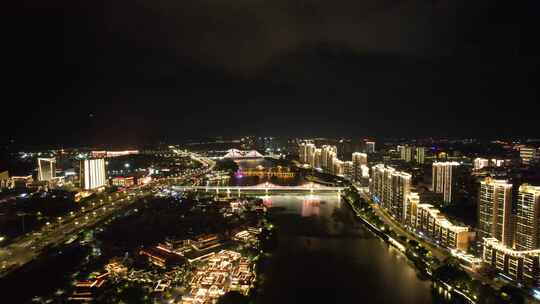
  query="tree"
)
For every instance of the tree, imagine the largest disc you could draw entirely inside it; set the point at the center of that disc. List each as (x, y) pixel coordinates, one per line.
(233, 297)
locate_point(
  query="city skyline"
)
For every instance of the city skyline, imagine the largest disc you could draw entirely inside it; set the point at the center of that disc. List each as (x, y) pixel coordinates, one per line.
(270, 151)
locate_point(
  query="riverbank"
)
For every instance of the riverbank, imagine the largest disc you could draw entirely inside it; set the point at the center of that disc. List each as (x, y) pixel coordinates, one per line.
(446, 274)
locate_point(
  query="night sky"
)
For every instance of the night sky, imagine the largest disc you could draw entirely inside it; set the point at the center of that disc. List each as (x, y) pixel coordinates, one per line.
(137, 71)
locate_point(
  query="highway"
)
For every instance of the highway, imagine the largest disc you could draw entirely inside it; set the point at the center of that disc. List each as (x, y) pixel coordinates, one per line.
(30, 246)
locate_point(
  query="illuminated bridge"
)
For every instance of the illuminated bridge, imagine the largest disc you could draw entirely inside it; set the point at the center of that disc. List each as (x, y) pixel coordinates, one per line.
(265, 173)
(264, 187)
(235, 154)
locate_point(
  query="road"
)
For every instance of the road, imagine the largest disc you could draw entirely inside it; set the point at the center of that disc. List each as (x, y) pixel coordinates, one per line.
(30, 246)
(437, 252)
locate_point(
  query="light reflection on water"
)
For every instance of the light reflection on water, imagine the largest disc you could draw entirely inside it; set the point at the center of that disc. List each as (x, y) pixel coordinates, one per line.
(325, 256)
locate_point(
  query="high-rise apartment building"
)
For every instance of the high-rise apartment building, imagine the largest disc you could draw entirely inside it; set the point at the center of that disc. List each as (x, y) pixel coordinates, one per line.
(93, 174)
(445, 179)
(495, 210)
(527, 154)
(332, 158)
(390, 189)
(480, 163)
(358, 160)
(46, 169)
(317, 161)
(4, 179)
(413, 200)
(337, 168)
(347, 169)
(420, 155)
(328, 153)
(431, 222)
(302, 152)
(310, 154)
(407, 153)
(401, 187)
(527, 234)
(520, 265)
(370, 147)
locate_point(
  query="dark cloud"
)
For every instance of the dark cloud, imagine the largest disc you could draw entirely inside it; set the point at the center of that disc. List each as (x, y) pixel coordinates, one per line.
(175, 69)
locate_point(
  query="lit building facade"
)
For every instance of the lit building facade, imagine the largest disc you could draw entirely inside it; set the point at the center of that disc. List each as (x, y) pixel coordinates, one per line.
(370, 147)
(337, 168)
(46, 169)
(420, 155)
(310, 154)
(390, 189)
(429, 221)
(527, 154)
(93, 173)
(527, 234)
(407, 153)
(413, 200)
(495, 210)
(520, 265)
(123, 181)
(318, 155)
(358, 160)
(444, 179)
(4, 179)
(347, 168)
(328, 154)
(302, 152)
(480, 163)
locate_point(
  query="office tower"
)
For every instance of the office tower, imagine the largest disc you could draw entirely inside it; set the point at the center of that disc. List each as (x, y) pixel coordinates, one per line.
(480, 163)
(527, 236)
(93, 174)
(370, 147)
(407, 153)
(358, 160)
(445, 179)
(46, 169)
(420, 154)
(527, 155)
(495, 210)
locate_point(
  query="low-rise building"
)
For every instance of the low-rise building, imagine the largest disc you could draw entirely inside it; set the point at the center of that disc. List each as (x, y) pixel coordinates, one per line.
(121, 181)
(4, 179)
(429, 222)
(522, 266)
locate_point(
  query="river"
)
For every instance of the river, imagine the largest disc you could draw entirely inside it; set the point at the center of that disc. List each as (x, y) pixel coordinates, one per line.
(325, 255)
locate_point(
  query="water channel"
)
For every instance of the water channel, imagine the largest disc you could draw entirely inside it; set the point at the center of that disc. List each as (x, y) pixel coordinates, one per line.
(325, 255)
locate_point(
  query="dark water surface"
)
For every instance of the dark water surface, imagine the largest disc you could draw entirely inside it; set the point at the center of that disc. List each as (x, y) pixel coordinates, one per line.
(325, 256)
